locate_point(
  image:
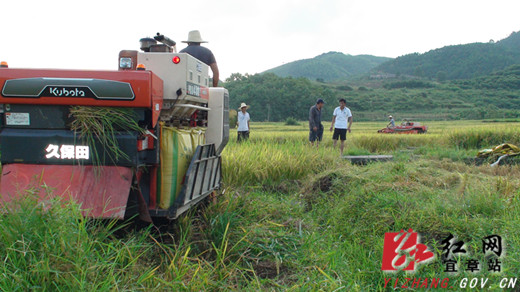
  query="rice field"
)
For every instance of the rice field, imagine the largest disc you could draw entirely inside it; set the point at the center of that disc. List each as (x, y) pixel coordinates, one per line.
(332, 216)
(277, 152)
(291, 218)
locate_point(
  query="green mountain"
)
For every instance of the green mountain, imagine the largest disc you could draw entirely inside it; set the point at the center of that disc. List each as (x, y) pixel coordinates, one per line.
(512, 42)
(274, 98)
(330, 66)
(457, 62)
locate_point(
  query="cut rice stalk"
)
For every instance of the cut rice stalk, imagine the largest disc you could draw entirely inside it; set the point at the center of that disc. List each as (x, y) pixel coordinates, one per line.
(101, 125)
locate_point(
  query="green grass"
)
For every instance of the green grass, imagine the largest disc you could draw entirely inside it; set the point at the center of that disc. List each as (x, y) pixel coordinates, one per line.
(290, 218)
(50, 246)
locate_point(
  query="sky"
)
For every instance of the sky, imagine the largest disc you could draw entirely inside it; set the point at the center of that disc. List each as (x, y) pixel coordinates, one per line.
(245, 36)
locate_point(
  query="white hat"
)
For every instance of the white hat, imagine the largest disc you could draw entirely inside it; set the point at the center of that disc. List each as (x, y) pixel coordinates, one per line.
(390, 116)
(243, 105)
(194, 37)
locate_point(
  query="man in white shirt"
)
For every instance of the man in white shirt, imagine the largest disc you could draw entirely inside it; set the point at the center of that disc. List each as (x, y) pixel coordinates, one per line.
(341, 123)
(243, 123)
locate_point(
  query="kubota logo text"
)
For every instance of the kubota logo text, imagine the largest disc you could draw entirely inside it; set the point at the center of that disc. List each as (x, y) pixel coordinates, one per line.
(66, 91)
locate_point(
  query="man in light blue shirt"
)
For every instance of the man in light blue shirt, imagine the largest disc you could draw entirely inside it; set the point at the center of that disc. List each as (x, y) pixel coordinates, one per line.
(391, 124)
(341, 123)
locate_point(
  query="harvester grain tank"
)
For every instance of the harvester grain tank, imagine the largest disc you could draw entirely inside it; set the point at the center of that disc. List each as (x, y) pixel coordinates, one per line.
(166, 163)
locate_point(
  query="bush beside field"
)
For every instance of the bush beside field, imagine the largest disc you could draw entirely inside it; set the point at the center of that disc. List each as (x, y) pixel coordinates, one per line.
(290, 217)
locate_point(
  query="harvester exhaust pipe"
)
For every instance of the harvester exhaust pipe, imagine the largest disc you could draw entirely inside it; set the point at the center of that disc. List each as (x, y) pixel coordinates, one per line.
(165, 40)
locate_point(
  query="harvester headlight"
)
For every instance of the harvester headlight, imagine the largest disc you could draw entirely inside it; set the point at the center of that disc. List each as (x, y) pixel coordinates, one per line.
(125, 63)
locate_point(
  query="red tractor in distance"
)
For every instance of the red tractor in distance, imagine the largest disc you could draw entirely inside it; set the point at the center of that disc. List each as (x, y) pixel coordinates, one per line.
(407, 127)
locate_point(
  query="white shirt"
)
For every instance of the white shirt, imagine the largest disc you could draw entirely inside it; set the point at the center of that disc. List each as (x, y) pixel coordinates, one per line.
(341, 117)
(242, 121)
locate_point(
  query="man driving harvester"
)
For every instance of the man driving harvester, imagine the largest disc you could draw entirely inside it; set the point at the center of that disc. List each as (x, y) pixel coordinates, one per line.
(391, 124)
(202, 53)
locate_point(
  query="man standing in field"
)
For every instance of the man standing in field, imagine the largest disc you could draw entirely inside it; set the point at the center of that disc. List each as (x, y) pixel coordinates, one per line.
(341, 123)
(243, 123)
(315, 126)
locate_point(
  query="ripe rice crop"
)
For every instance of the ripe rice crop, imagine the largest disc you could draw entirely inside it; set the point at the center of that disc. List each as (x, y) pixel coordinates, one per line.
(484, 136)
(276, 152)
(271, 160)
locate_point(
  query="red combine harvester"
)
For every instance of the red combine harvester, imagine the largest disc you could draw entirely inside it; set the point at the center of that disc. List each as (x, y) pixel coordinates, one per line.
(406, 127)
(170, 164)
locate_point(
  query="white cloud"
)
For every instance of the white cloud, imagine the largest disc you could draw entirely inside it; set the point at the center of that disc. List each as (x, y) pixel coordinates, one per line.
(246, 36)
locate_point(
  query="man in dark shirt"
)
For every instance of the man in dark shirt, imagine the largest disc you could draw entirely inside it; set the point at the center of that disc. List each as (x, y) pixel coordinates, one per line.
(315, 126)
(202, 53)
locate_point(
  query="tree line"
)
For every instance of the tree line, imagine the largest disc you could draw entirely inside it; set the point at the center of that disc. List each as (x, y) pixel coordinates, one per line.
(273, 98)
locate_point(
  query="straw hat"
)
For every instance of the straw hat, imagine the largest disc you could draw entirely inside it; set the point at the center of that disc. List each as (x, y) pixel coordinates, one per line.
(194, 37)
(243, 105)
(389, 117)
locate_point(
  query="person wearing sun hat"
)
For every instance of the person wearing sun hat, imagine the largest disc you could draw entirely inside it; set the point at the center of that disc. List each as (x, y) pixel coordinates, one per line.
(391, 124)
(243, 122)
(202, 53)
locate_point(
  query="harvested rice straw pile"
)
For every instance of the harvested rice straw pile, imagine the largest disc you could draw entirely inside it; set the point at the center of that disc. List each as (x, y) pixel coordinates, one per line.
(101, 124)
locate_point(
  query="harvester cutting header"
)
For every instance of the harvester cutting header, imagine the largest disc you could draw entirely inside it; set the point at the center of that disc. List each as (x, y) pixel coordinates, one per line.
(143, 139)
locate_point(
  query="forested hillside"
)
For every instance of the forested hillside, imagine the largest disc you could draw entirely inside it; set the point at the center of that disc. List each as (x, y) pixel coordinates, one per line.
(457, 62)
(274, 98)
(329, 66)
(507, 79)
